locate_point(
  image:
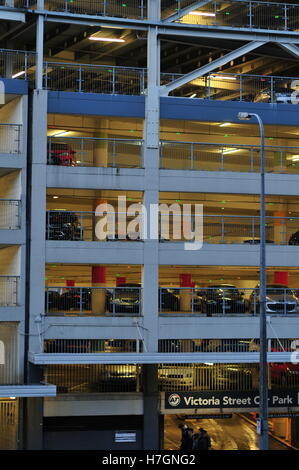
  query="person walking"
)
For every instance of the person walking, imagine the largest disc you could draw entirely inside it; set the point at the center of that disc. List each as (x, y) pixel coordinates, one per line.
(187, 438)
(201, 440)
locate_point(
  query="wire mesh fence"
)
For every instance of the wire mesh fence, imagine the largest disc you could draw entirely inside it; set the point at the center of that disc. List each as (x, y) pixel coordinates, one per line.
(91, 346)
(121, 9)
(227, 157)
(98, 152)
(94, 301)
(227, 300)
(9, 354)
(17, 64)
(10, 212)
(9, 291)
(11, 139)
(269, 15)
(9, 423)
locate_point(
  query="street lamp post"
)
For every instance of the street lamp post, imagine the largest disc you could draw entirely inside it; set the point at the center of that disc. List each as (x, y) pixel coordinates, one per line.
(263, 407)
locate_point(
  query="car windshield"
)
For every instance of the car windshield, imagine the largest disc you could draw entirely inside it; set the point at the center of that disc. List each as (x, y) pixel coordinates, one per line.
(279, 291)
(226, 289)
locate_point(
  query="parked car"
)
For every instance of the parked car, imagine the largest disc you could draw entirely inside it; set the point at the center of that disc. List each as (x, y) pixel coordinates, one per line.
(279, 299)
(280, 96)
(52, 300)
(284, 373)
(223, 298)
(169, 299)
(256, 241)
(61, 225)
(61, 154)
(126, 298)
(294, 239)
(76, 299)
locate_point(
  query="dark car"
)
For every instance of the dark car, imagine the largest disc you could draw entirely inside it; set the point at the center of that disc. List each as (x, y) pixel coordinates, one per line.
(256, 241)
(125, 298)
(61, 225)
(52, 300)
(279, 299)
(223, 298)
(76, 299)
(61, 154)
(169, 299)
(294, 239)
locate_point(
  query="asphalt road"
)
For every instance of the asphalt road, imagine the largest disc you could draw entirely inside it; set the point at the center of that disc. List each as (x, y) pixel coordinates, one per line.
(226, 434)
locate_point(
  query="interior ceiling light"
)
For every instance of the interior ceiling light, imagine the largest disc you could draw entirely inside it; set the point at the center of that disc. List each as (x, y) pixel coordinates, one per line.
(60, 133)
(294, 158)
(225, 124)
(193, 96)
(55, 197)
(223, 77)
(96, 38)
(230, 151)
(202, 13)
(18, 74)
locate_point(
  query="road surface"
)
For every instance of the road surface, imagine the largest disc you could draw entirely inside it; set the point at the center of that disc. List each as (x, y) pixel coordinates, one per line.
(226, 434)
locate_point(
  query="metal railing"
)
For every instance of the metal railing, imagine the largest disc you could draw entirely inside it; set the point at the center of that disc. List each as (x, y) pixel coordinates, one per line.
(9, 371)
(225, 86)
(94, 378)
(269, 15)
(93, 301)
(9, 291)
(18, 3)
(92, 346)
(227, 157)
(97, 152)
(226, 300)
(86, 78)
(17, 64)
(11, 138)
(120, 9)
(10, 214)
(224, 345)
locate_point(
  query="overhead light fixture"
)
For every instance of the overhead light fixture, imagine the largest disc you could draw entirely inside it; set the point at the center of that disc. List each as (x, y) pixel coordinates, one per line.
(60, 133)
(12, 398)
(55, 197)
(227, 151)
(97, 38)
(225, 124)
(223, 77)
(294, 158)
(193, 96)
(18, 74)
(202, 13)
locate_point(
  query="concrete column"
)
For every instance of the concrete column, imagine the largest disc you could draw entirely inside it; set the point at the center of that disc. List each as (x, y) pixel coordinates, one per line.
(279, 427)
(96, 219)
(281, 277)
(98, 300)
(33, 435)
(185, 292)
(151, 409)
(100, 147)
(280, 227)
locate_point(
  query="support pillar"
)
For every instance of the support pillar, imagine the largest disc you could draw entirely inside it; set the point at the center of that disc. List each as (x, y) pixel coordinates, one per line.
(120, 280)
(280, 227)
(70, 283)
(100, 147)
(281, 277)
(151, 411)
(98, 296)
(186, 292)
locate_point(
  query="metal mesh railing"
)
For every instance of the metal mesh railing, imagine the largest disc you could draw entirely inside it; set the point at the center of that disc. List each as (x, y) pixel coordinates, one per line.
(94, 78)
(94, 378)
(93, 301)
(17, 64)
(117, 8)
(10, 212)
(227, 157)
(267, 15)
(91, 346)
(99, 152)
(9, 354)
(18, 3)
(9, 424)
(11, 138)
(9, 291)
(227, 300)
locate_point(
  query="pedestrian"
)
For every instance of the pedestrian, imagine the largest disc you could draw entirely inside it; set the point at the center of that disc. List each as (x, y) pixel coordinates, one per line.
(187, 438)
(201, 440)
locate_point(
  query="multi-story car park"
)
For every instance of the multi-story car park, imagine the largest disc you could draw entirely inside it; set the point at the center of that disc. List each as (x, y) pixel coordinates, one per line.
(101, 339)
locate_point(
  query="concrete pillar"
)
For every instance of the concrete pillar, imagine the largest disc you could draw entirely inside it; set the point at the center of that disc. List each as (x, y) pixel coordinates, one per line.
(151, 408)
(96, 219)
(186, 292)
(98, 296)
(100, 147)
(33, 435)
(281, 277)
(279, 427)
(280, 227)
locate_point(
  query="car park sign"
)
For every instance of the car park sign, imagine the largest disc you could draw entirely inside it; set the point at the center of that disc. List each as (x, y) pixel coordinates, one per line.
(220, 400)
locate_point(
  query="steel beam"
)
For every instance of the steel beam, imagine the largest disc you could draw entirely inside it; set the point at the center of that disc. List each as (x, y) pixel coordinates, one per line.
(186, 10)
(166, 89)
(157, 358)
(294, 50)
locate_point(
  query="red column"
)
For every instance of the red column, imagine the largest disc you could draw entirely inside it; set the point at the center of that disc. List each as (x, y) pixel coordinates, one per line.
(281, 277)
(120, 280)
(70, 283)
(186, 292)
(98, 277)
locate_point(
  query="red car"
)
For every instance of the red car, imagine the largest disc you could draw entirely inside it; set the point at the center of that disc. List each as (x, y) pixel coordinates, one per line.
(61, 154)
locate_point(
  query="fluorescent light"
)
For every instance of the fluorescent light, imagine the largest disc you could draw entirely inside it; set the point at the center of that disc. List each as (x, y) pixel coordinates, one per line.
(202, 13)
(225, 124)
(223, 77)
(18, 74)
(96, 38)
(55, 197)
(60, 133)
(12, 398)
(193, 96)
(230, 151)
(294, 158)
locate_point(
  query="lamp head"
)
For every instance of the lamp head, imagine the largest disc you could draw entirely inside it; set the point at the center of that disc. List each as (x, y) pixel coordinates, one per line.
(244, 116)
